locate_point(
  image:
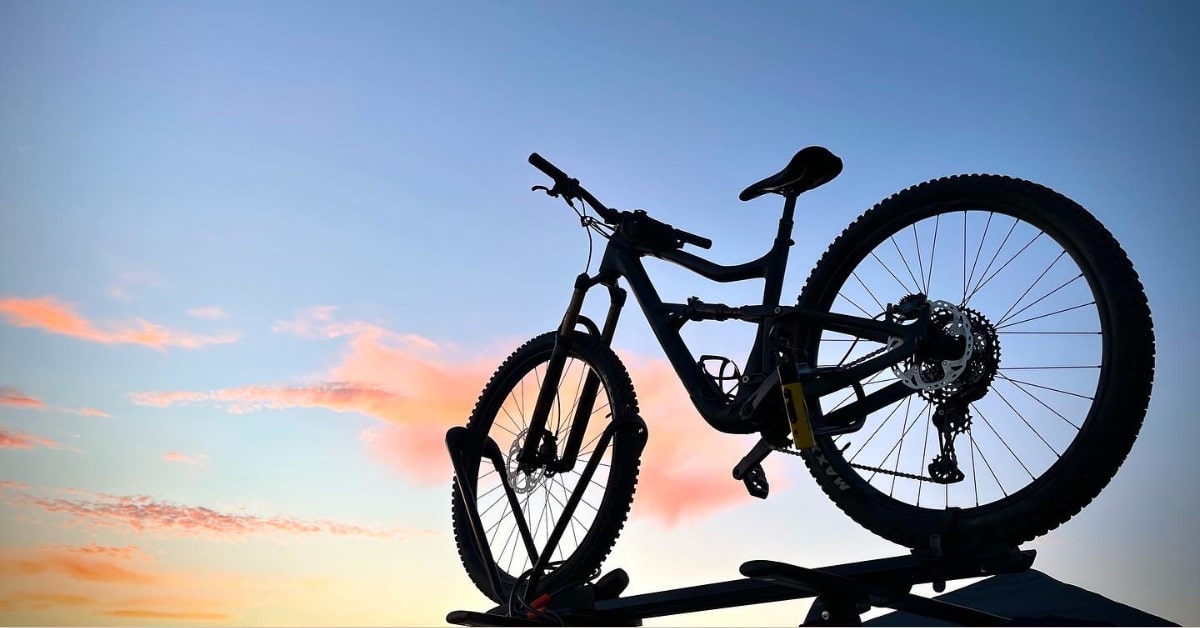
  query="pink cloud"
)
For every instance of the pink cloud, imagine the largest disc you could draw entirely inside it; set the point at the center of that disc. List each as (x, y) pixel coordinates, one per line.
(175, 456)
(419, 391)
(144, 514)
(13, 397)
(14, 485)
(121, 288)
(208, 313)
(21, 440)
(56, 317)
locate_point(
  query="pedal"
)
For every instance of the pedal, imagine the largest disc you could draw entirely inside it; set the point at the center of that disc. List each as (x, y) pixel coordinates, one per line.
(756, 482)
(611, 584)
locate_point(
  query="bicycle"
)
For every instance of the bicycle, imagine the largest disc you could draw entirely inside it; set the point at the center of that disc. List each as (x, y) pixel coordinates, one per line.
(879, 344)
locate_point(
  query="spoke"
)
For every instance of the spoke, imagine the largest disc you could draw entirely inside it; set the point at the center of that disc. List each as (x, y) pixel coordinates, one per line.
(851, 302)
(889, 417)
(989, 468)
(512, 420)
(1005, 443)
(924, 453)
(974, 476)
(1007, 316)
(1005, 265)
(1052, 333)
(1068, 309)
(916, 282)
(964, 273)
(1026, 422)
(920, 263)
(872, 294)
(1021, 388)
(903, 434)
(889, 271)
(979, 250)
(1047, 368)
(1018, 382)
(991, 261)
(1033, 285)
(937, 220)
(574, 519)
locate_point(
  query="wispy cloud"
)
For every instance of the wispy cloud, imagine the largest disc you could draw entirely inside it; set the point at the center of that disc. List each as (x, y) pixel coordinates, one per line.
(208, 313)
(22, 440)
(54, 316)
(144, 514)
(92, 563)
(15, 398)
(336, 396)
(175, 456)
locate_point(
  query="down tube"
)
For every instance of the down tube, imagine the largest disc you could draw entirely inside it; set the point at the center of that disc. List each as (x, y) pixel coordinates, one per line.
(708, 399)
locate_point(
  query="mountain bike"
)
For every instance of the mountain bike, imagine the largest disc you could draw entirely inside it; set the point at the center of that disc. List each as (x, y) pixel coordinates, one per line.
(968, 363)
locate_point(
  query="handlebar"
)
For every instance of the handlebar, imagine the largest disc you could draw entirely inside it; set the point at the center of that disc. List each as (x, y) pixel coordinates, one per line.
(566, 186)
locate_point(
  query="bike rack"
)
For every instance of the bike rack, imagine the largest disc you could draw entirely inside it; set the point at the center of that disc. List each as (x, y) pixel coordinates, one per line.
(842, 591)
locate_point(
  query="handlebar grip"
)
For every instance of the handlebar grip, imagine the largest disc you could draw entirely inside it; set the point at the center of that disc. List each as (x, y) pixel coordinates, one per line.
(692, 238)
(550, 169)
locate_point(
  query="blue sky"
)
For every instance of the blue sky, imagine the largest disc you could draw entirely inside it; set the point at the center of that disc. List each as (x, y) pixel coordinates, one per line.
(261, 163)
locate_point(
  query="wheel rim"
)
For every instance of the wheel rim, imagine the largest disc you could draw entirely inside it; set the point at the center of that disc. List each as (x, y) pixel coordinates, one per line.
(1032, 310)
(542, 495)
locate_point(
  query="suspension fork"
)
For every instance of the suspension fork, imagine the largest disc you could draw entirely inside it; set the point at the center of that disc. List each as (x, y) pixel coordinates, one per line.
(591, 385)
(529, 456)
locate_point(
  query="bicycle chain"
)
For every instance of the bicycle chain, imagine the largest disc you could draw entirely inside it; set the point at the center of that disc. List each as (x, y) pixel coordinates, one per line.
(863, 467)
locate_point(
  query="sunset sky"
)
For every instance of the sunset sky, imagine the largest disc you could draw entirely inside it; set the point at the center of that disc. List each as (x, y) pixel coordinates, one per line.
(256, 258)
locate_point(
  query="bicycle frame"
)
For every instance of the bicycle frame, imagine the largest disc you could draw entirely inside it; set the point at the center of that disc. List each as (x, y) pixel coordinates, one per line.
(622, 258)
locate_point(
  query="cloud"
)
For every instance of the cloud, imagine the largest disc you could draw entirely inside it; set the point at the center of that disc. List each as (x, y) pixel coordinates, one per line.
(143, 514)
(13, 397)
(175, 456)
(419, 390)
(22, 440)
(11, 484)
(40, 601)
(57, 317)
(208, 313)
(89, 563)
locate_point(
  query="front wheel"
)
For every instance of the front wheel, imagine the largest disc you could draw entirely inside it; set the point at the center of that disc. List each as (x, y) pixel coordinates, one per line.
(503, 412)
(1054, 387)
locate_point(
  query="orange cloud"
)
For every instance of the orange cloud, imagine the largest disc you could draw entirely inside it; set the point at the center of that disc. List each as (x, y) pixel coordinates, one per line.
(56, 317)
(40, 601)
(144, 514)
(175, 456)
(92, 563)
(92, 412)
(14, 397)
(21, 440)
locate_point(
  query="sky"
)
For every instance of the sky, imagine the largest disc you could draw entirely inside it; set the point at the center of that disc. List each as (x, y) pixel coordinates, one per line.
(256, 258)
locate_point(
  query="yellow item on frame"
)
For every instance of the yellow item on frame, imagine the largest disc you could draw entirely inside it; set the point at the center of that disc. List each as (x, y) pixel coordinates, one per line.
(802, 433)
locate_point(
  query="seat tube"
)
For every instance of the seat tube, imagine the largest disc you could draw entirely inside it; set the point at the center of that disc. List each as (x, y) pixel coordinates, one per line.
(528, 456)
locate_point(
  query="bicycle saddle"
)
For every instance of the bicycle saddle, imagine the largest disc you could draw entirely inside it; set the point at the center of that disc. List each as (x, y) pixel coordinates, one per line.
(812, 167)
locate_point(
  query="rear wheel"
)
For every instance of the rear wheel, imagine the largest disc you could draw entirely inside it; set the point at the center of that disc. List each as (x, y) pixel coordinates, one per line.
(503, 412)
(1055, 384)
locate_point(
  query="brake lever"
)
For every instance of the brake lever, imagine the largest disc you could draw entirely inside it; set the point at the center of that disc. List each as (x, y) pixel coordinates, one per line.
(544, 189)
